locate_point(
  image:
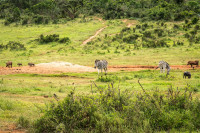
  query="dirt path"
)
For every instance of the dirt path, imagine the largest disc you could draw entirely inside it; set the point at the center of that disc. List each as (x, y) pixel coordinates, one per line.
(128, 23)
(64, 67)
(97, 32)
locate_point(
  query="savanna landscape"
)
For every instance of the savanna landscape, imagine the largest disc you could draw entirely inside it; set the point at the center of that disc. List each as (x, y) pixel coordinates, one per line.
(48, 82)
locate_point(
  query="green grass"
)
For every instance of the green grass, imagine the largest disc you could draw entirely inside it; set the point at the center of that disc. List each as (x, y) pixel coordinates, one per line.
(22, 95)
(78, 54)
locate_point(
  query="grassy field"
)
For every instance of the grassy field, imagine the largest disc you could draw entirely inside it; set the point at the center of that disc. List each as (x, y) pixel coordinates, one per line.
(23, 94)
(79, 31)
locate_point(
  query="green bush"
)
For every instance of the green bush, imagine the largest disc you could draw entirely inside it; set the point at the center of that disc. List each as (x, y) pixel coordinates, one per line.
(14, 46)
(195, 20)
(53, 38)
(2, 46)
(48, 38)
(38, 19)
(131, 38)
(64, 40)
(23, 122)
(113, 110)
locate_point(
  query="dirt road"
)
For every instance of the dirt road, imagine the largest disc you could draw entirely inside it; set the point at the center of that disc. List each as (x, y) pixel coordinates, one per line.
(64, 67)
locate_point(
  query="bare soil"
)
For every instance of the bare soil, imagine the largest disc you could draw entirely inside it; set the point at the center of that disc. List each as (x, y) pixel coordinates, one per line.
(64, 67)
(97, 32)
(11, 128)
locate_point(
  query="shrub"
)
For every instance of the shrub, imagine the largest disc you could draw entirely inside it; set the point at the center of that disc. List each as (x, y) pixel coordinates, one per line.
(53, 38)
(197, 27)
(114, 110)
(8, 21)
(25, 21)
(195, 20)
(15, 46)
(131, 38)
(187, 35)
(125, 29)
(138, 26)
(48, 38)
(179, 16)
(159, 32)
(147, 34)
(176, 26)
(64, 40)
(23, 122)
(16, 14)
(38, 19)
(2, 46)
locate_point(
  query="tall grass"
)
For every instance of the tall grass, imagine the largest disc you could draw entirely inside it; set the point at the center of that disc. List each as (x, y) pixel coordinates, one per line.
(6, 104)
(113, 110)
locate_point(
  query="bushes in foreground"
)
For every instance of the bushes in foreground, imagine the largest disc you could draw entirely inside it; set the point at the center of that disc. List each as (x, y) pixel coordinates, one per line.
(113, 110)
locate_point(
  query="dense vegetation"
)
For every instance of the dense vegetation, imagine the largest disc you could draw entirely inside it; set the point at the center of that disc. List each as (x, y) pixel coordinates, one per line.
(112, 110)
(149, 35)
(44, 11)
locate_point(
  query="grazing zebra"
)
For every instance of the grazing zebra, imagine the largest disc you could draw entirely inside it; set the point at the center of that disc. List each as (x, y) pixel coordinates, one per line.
(101, 64)
(163, 65)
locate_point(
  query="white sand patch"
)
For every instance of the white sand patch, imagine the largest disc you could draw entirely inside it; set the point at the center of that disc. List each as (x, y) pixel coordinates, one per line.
(66, 66)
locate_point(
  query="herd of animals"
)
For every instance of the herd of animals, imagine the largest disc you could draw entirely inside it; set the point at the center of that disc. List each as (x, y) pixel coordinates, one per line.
(103, 65)
(9, 64)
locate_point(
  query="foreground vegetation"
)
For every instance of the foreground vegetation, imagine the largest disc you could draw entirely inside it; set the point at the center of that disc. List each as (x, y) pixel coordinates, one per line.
(113, 110)
(23, 100)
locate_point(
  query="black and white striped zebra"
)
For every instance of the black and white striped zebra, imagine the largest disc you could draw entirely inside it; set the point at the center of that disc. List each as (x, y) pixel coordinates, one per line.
(163, 65)
(100, 65)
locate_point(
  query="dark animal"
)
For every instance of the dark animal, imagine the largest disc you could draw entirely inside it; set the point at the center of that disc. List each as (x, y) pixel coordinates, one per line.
(196, 62)
(45, 96)
(31, 64)
(187, 74)
(9, 64)
(100, 65)
(19, 64)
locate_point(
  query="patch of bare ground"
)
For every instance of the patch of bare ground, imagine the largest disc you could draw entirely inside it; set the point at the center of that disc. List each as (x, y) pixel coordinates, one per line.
(11, 128)
(47, 68)
(129, 23)
(64, 67)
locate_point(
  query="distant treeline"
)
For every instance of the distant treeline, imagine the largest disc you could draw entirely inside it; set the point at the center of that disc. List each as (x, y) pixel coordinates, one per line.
(44, 11)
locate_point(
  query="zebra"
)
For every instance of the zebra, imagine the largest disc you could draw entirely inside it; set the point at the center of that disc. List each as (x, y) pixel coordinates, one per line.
(101, 64)
(163, 65)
